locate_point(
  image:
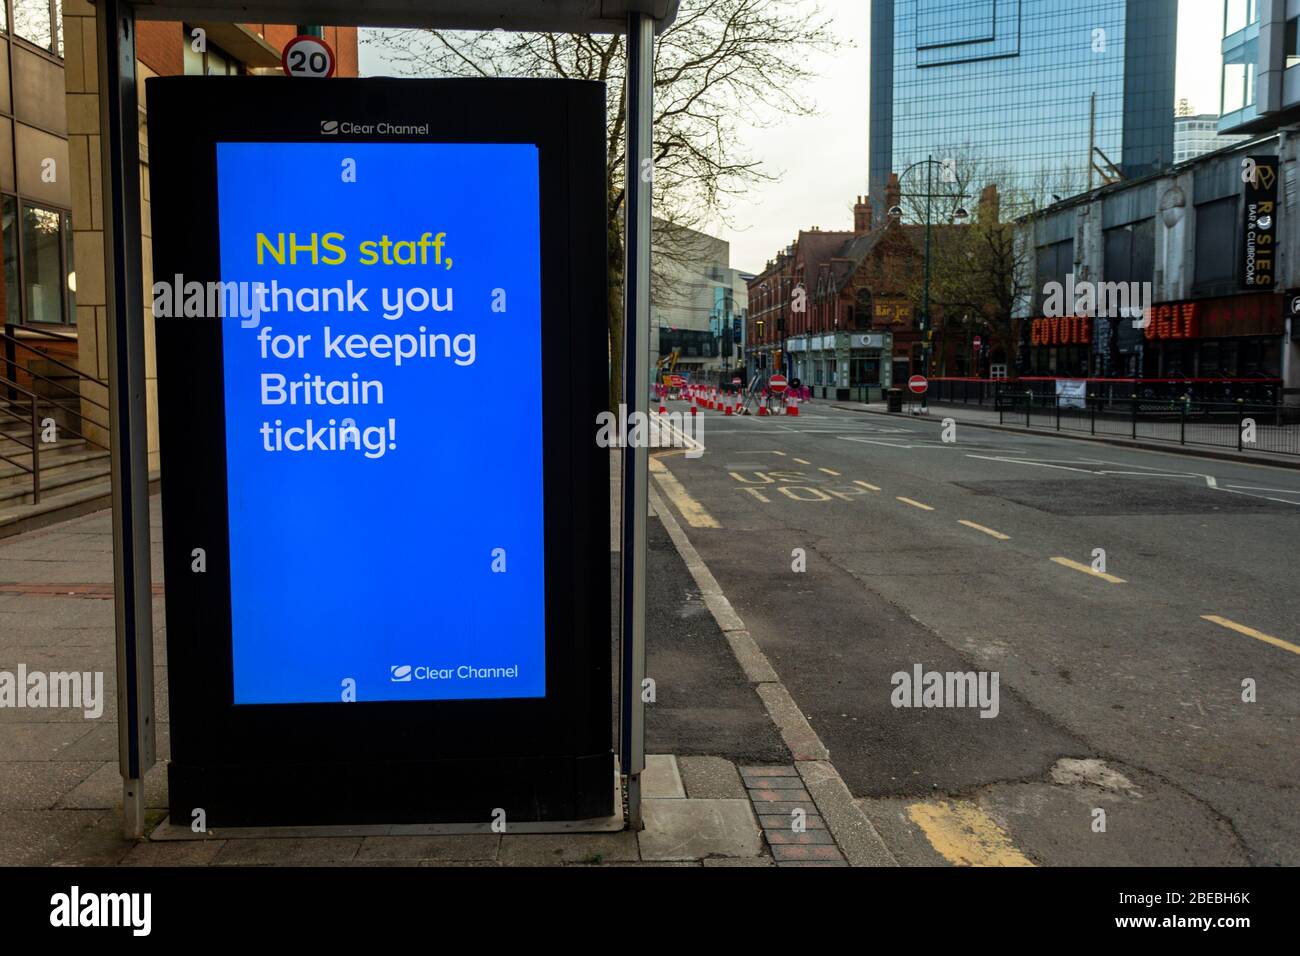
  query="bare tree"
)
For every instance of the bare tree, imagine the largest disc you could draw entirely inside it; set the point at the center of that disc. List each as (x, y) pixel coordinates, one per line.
(721, 67)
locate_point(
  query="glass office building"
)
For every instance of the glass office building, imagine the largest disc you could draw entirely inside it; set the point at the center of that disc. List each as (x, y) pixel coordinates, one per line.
(1020, 92)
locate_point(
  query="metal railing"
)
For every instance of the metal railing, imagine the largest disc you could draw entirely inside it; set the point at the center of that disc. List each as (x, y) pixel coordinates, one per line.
(984, 391)
(1245, 426)
(30, 400)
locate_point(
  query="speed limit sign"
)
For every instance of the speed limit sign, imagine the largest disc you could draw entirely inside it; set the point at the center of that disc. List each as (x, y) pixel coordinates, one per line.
(307, 56)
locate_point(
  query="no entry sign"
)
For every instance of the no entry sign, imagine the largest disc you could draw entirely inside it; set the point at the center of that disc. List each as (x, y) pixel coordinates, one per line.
(918, 384)
(308, 56)
(777, 383)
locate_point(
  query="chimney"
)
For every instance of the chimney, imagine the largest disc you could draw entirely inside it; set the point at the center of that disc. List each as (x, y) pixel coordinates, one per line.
(893, 192)
(861, 216)
(990, 204)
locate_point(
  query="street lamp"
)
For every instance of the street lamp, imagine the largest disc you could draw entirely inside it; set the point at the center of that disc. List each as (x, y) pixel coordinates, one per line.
(958, 216)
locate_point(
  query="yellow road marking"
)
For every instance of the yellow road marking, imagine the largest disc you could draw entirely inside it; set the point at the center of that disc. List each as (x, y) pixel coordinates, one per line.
(767, 480)
(988, 531)
(802, 461)
(1067, 563)
(1251, 632)
(829, 472)
(914, 504)
(869, 487)
(789, 492)
(691, 509)
(759, 495)
(965, 835)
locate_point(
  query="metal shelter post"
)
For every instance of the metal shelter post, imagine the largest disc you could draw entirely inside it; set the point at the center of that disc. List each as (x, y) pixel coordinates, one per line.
(128, 431)
(636, 391)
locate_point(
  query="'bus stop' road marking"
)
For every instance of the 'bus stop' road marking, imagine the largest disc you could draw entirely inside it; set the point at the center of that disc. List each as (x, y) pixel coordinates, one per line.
(914, 504)
(829, 472)
(1251, 632)
(694, 512)
(1067, 563)
(802, 462)
(867, 485)
(965, 835)
(988, 531)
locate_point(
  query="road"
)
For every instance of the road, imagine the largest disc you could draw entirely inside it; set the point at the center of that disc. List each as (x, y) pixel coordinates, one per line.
(1138, 608)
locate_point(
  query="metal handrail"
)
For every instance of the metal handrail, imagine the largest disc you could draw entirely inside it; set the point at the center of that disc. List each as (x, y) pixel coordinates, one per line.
(7, 337)
(66, 388)
(34, 401)
(34, 451)
(72, 431)
(35, 331)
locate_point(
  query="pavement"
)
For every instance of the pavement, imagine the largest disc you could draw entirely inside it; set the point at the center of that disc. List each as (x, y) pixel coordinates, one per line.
(722, 786)
(1138, 609)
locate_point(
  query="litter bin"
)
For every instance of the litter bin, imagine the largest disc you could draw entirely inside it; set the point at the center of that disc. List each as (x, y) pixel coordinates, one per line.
(894, 397)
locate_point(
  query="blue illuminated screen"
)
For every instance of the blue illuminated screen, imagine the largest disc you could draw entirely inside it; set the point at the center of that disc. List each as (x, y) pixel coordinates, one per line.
(382, 359)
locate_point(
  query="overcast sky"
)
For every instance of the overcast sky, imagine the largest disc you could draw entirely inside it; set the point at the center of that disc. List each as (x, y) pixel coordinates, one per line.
(817, 185)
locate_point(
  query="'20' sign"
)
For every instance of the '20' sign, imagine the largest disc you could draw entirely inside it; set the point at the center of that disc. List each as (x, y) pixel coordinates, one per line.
(307, 56)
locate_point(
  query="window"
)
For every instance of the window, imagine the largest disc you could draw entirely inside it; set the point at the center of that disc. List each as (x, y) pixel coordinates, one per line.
(39, 22)
(1239, 66)
(1216, 242)
(1289, 43)
(1239, 14)
(42, 264)
(39, 285)
(10, 292)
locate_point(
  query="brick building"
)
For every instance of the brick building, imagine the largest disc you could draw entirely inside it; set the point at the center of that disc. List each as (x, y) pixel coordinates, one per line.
(163, 49)
(836, 309)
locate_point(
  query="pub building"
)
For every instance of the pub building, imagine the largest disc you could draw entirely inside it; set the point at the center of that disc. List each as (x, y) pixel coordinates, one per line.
(1215, 253)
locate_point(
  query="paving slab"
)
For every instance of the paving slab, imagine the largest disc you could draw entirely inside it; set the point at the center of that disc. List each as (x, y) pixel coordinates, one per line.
(697, 829)
(466, 847)
(551, 849)
(661, 779)
(710, 778)
(309, 851)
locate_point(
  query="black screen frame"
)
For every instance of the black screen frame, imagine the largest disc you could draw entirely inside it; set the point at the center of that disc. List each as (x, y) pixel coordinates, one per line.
(261, 764)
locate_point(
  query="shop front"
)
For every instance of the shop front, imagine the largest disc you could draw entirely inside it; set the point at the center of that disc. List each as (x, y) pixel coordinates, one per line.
(1213, 349)
(844, 366)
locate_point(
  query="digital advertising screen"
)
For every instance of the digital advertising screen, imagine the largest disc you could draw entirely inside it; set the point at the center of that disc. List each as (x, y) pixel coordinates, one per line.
(382, 353)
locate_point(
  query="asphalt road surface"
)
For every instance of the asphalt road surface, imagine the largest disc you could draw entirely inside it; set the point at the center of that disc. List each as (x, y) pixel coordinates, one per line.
(1138, 608)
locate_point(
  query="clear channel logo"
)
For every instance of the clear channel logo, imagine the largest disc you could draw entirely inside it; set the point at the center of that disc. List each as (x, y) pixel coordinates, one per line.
(400, 673)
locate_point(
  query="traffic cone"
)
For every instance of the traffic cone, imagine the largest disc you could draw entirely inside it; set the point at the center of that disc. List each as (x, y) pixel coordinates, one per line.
(762, 411)
(662, 408)
(728, 409)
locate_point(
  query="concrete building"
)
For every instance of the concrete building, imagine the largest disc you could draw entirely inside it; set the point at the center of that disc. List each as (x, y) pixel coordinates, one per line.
(1219, 322)
(1196, 135)
(1261, 65)
(699, 304)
